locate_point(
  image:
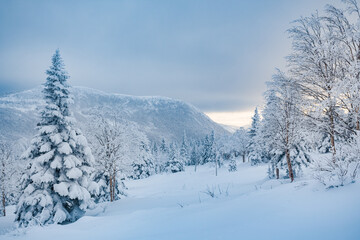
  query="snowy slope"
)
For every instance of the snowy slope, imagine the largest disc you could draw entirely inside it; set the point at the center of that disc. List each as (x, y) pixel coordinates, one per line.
(159, 117)
(176, 206)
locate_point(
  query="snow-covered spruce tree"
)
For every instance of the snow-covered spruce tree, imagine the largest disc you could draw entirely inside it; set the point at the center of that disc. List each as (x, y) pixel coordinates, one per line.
(255, 147)
(174, 164)
(194, 158)
(184, 152)
(162, 157)
(208, 149)
(154, 149)
(143, 167)
(57, 182)
(163, 148)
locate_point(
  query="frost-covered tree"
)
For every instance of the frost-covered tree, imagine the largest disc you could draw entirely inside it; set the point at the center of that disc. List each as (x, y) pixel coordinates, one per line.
(345, 31)
(107, 143)
(282, 125)
(11, 170)
(316, 65)
(5, 173)
(121, 150)
(240, 141)
(57, 183)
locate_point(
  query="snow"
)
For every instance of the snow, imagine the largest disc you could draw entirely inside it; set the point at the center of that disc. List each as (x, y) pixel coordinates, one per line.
(62, 188)
(74, 173)
(45, 147)
(64, 148)
(45, 157)
(246, 205)
(56, 138)
(70, 161)
(78, 192)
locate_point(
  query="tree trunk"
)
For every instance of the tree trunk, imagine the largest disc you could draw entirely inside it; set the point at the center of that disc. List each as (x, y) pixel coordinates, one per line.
(332, 137)
(243, 158)
(3, 186)
(291, 174)
(287, 152)
(111, 188)
(3, 202)
(277, 173)
(114, 184)
(216, 166)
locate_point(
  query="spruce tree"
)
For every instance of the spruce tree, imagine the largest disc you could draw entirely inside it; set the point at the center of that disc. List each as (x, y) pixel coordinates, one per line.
(184, 151)
(174, 164)
(255, 152)
(56, 185)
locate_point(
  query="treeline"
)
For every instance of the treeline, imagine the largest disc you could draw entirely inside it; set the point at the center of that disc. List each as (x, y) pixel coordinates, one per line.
(313, 107)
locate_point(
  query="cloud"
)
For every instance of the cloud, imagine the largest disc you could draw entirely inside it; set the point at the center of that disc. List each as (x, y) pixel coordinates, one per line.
(214, 55)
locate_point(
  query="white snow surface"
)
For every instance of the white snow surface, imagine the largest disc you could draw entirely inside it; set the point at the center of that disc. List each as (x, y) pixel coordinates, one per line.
(246, 205)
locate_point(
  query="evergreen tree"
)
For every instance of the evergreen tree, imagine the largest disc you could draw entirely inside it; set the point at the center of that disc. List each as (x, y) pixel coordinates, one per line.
(144, 167)
(209, 154)
(154, 149)
(174, 164)
(254, 124)
(194, 158)
(56, 186)
(184, 155)
(163, 147)
(255, 150)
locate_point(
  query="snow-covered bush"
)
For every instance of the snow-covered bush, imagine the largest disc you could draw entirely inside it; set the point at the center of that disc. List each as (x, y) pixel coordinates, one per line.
(344, 170)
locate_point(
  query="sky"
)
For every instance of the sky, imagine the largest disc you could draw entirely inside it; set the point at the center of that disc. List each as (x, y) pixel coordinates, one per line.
(216, 55)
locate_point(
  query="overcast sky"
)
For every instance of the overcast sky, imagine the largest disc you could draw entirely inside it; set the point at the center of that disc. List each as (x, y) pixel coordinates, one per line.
(216, 55)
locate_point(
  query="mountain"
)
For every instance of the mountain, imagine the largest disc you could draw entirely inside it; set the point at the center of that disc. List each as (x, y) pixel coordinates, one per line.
(158, 117)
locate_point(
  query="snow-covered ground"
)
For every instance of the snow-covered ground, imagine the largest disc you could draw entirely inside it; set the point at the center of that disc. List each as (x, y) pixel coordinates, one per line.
(245, 205)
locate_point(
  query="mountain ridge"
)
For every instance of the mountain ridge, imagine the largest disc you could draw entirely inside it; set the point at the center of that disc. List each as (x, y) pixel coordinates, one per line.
(159, 117)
